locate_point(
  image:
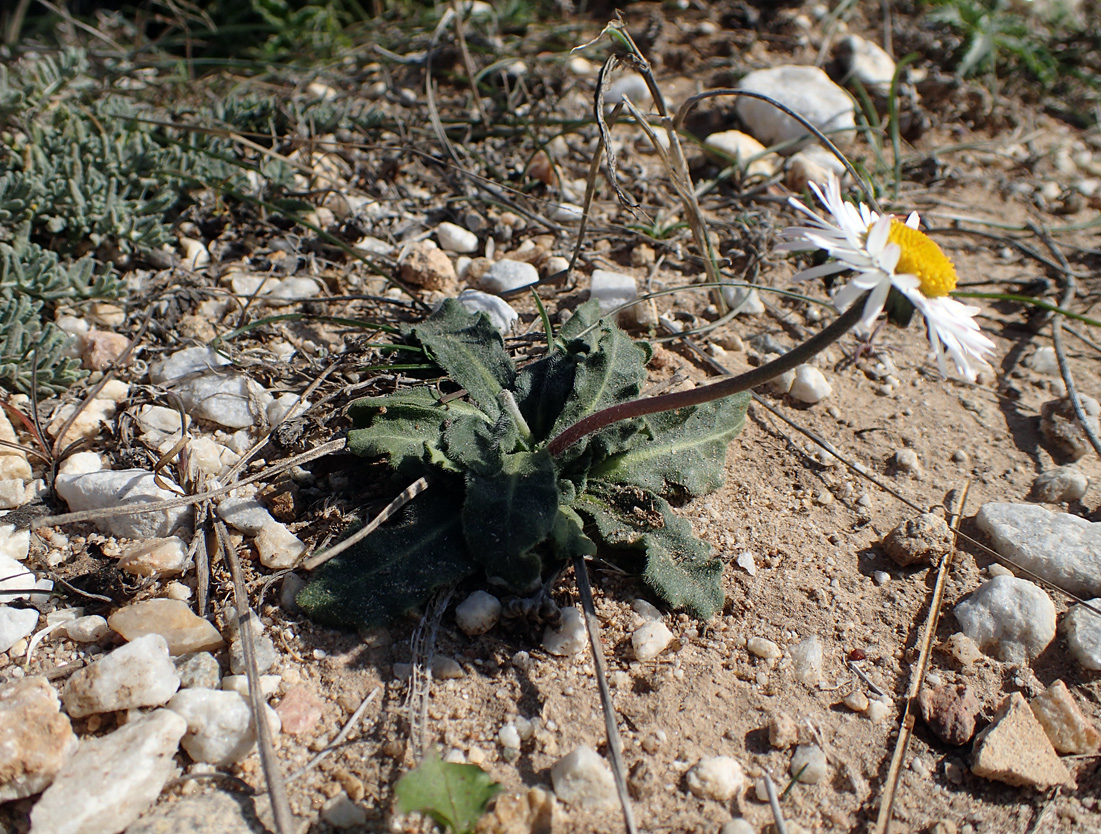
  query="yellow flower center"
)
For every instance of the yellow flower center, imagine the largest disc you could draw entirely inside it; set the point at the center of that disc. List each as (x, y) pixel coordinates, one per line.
(922, 257)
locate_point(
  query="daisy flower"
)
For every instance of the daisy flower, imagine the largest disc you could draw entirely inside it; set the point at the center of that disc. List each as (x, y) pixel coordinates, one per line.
(885, 252)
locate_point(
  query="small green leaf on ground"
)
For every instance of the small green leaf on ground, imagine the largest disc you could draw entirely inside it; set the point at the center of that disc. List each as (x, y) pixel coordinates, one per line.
(454, 795)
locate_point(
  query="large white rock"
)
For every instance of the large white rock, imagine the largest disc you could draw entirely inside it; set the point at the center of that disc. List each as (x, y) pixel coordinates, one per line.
(506, 275)
(612, 289)
(478, 613)
(126, 487)
(35, 737)
(1011, 618)
(810, 385)
(249, 515)
(15, 579)
(15, 624)
(650, 639)
(584, 779)
(228, 399)
(500, 312)
(866, 62)
(570, 637)
(1062, 548)
(455, 238)
(111, 780)
(1083, 630)
(716, 777)
(193, 360)
(806, 90)
(278, 547)
(139, 674)
(220, 729)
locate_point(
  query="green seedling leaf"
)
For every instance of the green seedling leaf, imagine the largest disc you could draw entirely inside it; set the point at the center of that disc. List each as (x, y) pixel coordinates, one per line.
(471, 350)
(474, 446)
(454, 795)
(677, 565)
(394, 569)
(507, 514)
(681, 452)
(541, 389)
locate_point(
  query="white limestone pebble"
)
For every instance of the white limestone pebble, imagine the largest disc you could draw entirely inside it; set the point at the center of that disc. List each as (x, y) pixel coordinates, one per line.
(195, 253)
(111, 780)
(809, 385)
(506, 275)
(193, 360)
(740, 825)
(455, 238)
(182, 629)
(1011, 618)
(749, 155)
(763, 648)
(500, 312)
(341, 812)
(1065, 483)
(1068, 729)
(716, 777)
(269, 684)
(744, 302)
(35, 737)
(478, 613)
(631, 86)
(857, 701)
(220, 729)
(15, 624)
(225, 398)
(907, 460)
(806, 90)
(509, 737)
(612, 289)
(126, 487)
(570, 637)
(866, 62)
(1083, 632)
(1043, 361)
(1062, 548)
(198, 670)
(650, 639)
(249, 515)
(807, 659)
(645, 609)
(154, 557)
(89, 629)
(139, 674)
(583, 778)
(15, 579)
(263, 650)
(878, 710)
(13, 462)
(279, 548)
(809, 764)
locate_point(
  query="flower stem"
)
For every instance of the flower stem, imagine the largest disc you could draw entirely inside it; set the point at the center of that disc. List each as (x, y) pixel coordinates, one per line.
(716, 391)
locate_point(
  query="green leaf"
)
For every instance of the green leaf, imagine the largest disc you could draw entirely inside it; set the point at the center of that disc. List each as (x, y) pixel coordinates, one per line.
(507, 514)
(681, 452)
(542, 388)
(471, 350)
(677, 565)
(394, 569)
(454, 795)
(474, 446)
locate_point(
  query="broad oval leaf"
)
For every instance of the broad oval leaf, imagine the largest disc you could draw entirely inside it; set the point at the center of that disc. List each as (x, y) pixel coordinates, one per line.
(454, 795)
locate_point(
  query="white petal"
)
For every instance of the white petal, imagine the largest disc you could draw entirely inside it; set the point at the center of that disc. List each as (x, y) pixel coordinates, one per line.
(828, 268)
(913, 221)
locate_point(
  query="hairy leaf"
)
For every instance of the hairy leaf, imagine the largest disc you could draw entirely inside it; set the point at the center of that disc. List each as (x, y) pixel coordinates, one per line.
(676, 564)
(454, 795)
(470, 349)
(680, 452)
(395, 568)
(474, 446)
(541, 390)
(507, 514)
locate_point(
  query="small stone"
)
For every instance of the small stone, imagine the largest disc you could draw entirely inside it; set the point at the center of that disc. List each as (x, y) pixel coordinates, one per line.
(881, 577)
(809, 385)
(224, 398)
(217, 812)
(429, 267)
(738, 825)
(269, 684)
(263, 649)
(781, 383)
(106, 488)
(965, 651)
(632, 86)
(35, 737)
(506, 275)
(195, 253)
(906, 460)
(878, 710)
(220, 729)
(1062, 548)
(747, 562)
(342, 812)
(583, 778)
(857, 701)
(1068, 729)
(748, 155)
(289, 589)
(500, 312)
(509, 737)
(15, 577)
(1083, 632)
(950, 712)
(1065, 484)
(100, 349)
(763, 648)
(249, 515)
(198, 670)
(1009, 617)
(112, 779)
(716, 777)
(300, 710)
(570, 637)
(90, 629)
(612, 289)
(650, 639)
(867, 63)
(455, 238)
(183, 630)
(139, 674)
(1014, 749)
(1043, 361)
(783, 732)
(13, 462)
(645, 609)
(806, 90)
(923, 540)
(160, 557)
(478, 613)
(809, 765)
(1059, 424)
(279, 548)
(15, 624)
(807, 658)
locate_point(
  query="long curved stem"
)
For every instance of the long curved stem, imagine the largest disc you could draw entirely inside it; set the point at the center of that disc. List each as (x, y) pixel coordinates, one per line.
(716, 391)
